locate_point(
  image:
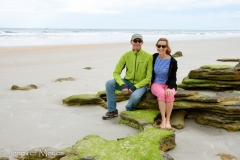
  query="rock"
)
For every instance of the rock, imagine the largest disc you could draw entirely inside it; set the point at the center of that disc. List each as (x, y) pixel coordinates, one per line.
(138, 119)
(176, 119)
(166, 156)
(237, 67)
(149, 101)
(185, 93)
(216, 67)
(128, 148)
(177, 54)
(219, 120)
(119, 96)
(228, 60)
(42, 154)
(218, 97)
(4, 158)
(215, 77)
(84, 99)
(224, 108)
(227, 156)
(87, 68)
(94, 99)
(65, 79)
(26, 88)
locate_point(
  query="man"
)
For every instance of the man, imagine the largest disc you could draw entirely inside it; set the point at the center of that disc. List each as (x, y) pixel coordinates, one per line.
(138, 65)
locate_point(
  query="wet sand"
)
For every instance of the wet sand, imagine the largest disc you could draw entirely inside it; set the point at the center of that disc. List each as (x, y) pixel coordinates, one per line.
(37, 118)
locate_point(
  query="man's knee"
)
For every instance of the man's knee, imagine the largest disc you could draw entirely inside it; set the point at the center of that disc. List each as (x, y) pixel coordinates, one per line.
(135, 96)
(110, 83)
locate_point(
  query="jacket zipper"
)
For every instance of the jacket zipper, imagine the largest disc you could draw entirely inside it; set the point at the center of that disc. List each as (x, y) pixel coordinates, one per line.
(135, 68)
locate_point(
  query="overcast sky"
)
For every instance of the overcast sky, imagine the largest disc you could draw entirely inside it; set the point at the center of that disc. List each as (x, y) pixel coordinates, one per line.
(121, 14)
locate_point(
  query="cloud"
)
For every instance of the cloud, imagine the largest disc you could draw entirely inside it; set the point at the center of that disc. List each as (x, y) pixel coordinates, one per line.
(173, 14)
(109, 6)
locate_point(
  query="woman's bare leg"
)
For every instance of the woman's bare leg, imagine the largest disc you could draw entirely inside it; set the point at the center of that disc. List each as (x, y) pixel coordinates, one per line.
(162, 107)
(169, 107)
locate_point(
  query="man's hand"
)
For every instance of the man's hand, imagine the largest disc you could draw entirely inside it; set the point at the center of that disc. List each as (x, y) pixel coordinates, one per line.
(168, 92)
(125, 90)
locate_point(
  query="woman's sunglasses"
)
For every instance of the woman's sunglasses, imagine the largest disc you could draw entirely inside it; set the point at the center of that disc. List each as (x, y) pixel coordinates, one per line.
(159, 46)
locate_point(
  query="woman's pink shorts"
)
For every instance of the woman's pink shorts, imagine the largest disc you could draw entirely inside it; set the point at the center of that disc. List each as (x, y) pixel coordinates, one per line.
(159, 90)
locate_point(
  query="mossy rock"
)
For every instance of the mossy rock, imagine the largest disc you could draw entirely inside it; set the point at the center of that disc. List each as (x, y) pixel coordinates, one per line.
(237, 67)
(230, 122)
(215, 87)
(232, 126)
(119, 95)
(176, 119)
(229, 60)
(26, 88)
(187, 81)
(138, 118)
(216, 66)
(88, 68)
(229, 74)
(147, 144)
(215, 98)
(177, 54)
(65, 79)
(84, 99)
(190, 83)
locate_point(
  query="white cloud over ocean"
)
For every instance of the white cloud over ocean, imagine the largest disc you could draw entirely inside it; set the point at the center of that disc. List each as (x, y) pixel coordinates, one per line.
(194, 14)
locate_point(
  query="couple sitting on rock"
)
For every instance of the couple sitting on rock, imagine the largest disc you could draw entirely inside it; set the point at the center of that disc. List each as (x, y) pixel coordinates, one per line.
(141, 69)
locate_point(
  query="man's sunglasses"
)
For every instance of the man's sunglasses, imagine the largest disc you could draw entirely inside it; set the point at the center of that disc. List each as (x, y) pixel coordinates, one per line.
(139, 41)
(159, 46)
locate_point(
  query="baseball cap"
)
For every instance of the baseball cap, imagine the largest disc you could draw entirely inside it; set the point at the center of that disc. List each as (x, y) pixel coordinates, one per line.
(136, 35)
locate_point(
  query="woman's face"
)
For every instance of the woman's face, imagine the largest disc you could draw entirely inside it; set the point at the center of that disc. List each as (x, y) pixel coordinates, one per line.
(162, 47)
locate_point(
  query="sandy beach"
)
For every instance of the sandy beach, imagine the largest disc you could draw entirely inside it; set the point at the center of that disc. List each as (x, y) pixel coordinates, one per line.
(37, 118)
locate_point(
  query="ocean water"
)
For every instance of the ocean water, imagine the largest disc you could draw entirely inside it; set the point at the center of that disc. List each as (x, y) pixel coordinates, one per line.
(26, 37)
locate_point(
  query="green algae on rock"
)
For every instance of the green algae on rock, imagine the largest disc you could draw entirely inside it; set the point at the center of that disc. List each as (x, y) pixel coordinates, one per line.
(84, 99)
(229, 60)
(139, 118)
(188, 83)
(217, 66)
(144, 145)
(215, 77)
(119, 95)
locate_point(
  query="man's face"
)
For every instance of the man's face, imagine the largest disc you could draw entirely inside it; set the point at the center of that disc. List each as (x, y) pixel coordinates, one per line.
(136, 44)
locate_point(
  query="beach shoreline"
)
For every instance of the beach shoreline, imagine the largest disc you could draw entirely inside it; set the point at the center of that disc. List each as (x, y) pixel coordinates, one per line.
(37, 118)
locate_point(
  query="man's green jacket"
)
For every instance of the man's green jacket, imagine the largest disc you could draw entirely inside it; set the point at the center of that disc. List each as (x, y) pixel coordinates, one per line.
(138, 68)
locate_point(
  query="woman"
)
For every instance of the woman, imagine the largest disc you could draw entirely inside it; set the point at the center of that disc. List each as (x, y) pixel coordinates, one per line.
(164, 79)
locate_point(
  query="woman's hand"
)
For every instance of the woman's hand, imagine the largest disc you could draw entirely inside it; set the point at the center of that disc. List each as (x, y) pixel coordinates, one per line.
(168, 92)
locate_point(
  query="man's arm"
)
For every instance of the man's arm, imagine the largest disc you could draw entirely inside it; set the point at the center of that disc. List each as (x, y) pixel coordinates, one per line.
(148, 78)
(118, 70)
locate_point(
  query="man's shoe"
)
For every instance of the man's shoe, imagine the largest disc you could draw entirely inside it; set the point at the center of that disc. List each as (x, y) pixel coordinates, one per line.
(110, 115)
